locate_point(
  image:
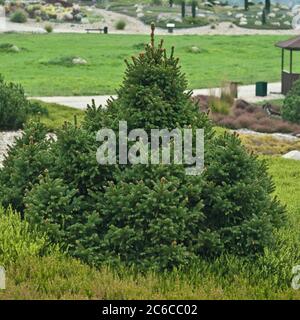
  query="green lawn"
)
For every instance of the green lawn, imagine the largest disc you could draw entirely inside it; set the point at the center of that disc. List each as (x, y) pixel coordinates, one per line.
(58, 115)
(40, 68)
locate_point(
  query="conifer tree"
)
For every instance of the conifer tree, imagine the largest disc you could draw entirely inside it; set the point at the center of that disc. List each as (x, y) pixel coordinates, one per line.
(153, 216)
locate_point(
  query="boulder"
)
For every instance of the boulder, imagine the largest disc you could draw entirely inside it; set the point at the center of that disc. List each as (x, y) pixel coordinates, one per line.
(68, 17)
(294, 155)
(14, 48)
(239, 15)
(79, 61)
(284, 7)
(195, 49)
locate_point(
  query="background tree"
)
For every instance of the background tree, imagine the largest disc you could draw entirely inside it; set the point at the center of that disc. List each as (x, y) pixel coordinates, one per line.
(268, 6)
(194, 5)
(183, 9)
(264, 17)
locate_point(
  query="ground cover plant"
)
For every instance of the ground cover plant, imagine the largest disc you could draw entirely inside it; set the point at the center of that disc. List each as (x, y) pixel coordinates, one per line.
(59, 12)
(265, 118)
(229, 209)
(267, 145)
(254, 58)
(160, 12)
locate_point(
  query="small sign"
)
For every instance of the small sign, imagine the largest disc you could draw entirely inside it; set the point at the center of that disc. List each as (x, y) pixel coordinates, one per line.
(2, 278)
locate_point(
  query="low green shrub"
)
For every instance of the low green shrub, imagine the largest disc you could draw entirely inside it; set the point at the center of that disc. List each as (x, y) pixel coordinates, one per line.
(19, 16)
(9, 48)
(36, 108)
(120, 24)
(48, 28)
(291, 105)
(13, 106)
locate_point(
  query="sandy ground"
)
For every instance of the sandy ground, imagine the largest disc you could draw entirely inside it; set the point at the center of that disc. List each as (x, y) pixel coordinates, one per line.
(135, 26)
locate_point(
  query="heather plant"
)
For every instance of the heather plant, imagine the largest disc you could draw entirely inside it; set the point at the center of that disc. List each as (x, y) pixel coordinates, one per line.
(18, 240)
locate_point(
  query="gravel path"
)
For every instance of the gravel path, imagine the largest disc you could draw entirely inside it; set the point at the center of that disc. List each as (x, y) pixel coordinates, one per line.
(246, 92)
(7, 138)
(135, 26)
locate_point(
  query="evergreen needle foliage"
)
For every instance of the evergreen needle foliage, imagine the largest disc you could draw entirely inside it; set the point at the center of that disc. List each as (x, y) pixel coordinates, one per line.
(154, 216)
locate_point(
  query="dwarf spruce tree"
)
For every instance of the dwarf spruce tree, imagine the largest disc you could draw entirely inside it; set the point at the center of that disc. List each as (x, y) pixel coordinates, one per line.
(154, 215)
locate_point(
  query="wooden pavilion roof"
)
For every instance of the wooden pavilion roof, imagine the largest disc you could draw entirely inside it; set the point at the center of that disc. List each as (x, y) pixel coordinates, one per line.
(290, 44)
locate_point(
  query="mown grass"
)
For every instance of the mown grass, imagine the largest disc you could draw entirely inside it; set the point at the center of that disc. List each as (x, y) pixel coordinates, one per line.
(246, 59)
(41, 271)
(58, 115)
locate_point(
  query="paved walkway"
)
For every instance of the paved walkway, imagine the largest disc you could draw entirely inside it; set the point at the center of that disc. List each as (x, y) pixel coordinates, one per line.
(244, 92)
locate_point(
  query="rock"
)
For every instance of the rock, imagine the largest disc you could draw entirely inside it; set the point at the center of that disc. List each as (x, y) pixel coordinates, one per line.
(201, 15)
(294, 155)
(258, 23)
(68, 17)
(275, 24)
(76, 8)
(79, 61)
(208, 4)
(287, 23)
(272, 15)
(195, 49)
(284, 7)
(229, 13)
(140, 15)
(85, 20)
(243, 23)
(14, 48)
(239, 15)
(7, 139)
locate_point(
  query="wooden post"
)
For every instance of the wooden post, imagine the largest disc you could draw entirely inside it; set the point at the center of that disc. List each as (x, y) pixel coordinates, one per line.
(291, 61)
(282, 59)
